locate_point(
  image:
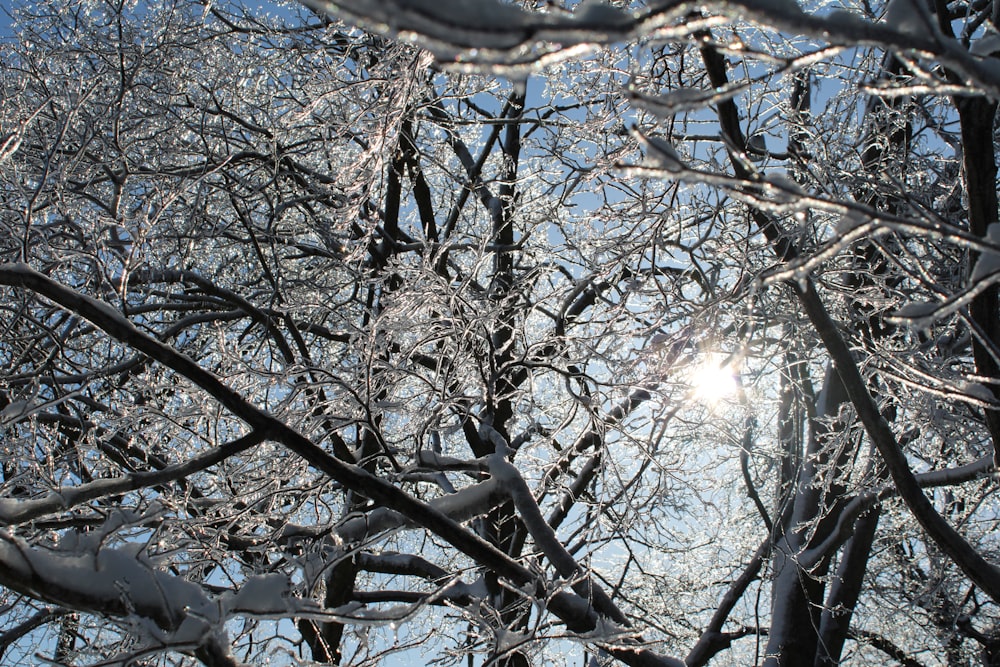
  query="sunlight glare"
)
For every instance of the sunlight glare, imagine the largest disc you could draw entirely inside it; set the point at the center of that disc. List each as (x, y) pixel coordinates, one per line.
(712, 382)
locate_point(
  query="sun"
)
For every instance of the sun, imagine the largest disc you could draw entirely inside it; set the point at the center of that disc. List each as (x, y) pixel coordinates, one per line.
(713, 381)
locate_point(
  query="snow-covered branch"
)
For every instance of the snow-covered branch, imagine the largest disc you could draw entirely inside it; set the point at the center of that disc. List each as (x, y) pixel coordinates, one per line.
(489, 35)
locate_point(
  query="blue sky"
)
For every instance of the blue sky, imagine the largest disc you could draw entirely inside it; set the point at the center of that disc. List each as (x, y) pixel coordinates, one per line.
(4, 18)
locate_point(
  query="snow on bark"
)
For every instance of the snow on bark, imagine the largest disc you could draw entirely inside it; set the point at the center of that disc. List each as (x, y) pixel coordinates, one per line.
(988, 263)
(679, 100)
(486, 31)
(660, 153)
(986, 45)
(545, 538)
(170, 610)
(782, 188)
(492, 36)
(910, 17)
(463, 505)
(119, 582)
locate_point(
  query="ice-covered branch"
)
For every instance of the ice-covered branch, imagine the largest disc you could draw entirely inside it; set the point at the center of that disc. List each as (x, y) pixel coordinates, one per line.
(489, 35)
(862, 502)
(13, 512)
(546, 540)
(574, 609)
(712, 639)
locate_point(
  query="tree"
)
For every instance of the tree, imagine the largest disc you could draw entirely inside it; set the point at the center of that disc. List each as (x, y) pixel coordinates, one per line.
(373, 327)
